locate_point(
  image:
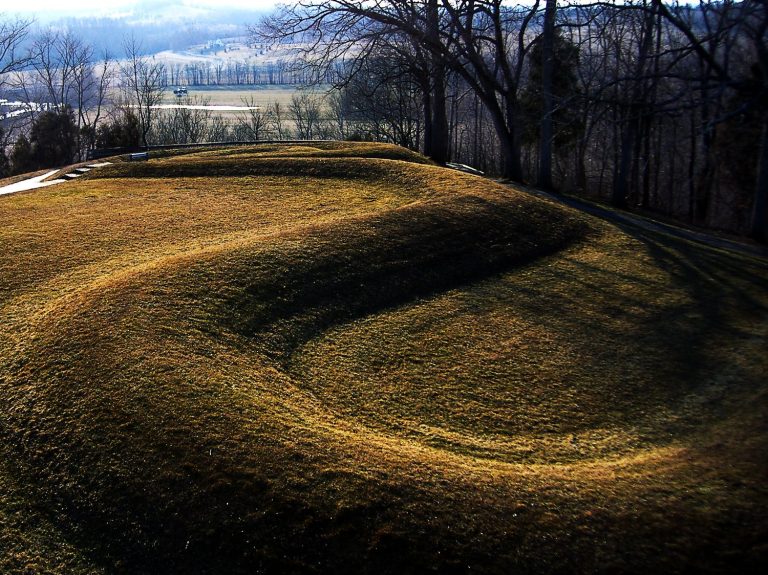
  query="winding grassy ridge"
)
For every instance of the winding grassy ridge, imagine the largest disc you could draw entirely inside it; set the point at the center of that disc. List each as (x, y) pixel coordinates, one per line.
(342, 359)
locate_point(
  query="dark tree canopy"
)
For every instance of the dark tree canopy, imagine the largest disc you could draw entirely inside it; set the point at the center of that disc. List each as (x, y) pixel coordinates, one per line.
(5, 165)
(566, 91)
(123, 131)
(54, 138)
(22, 159)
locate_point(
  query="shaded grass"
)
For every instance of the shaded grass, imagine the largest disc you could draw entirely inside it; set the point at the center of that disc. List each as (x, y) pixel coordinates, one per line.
(385, 367)
(307, 161)
(377, 262)
(530, 381)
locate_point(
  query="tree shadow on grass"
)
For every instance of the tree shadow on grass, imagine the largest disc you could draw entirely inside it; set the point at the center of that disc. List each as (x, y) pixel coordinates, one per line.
(726, 299)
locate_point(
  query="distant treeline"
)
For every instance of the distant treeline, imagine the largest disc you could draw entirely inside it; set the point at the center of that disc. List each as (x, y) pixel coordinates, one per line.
(238, 73)
(643, 103)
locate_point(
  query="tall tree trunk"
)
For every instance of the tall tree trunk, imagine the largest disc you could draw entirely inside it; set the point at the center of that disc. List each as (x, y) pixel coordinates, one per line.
(546, 131)
(439, 136)
(426, 102)
(505, 123)
(622, 170)
(439, 146)
(759, 227)
(693, 159)
(510, 131)
(645, 196)
(628, 170)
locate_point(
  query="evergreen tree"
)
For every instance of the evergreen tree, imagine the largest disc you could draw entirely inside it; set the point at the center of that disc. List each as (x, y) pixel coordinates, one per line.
(54, 138)
(565, 86)
(21, 156)
(5, 167)
(122, 132)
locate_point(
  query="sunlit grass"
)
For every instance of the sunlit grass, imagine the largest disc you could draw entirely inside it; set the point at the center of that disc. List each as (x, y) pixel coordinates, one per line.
(339, 358)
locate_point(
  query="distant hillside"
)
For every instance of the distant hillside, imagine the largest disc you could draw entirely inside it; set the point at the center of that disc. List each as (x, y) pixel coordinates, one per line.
(160, 26)
(224, 51)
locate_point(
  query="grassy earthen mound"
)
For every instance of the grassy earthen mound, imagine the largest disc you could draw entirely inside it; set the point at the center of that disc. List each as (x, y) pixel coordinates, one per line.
(339, 358)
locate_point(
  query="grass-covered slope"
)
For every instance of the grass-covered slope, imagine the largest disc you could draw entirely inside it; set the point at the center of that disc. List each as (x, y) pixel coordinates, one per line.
(340, 358)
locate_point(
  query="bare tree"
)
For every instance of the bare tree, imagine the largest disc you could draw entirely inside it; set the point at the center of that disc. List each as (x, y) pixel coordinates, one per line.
(546, 134)
(305, 110)
(144, 79)
(254, 123)
(276, 113)
(751, 20)
(92, 79)
(13, 33)
(64, 73)
(57, 58)
(187, 123)
(483, 41)
(341, 56)
(341, 114)
(383, 100)
(13, 59)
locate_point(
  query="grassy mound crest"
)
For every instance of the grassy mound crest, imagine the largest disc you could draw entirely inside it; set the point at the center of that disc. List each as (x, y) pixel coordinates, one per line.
(340, 358)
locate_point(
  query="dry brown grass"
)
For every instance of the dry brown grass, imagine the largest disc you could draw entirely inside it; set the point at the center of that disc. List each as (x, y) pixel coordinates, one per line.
(329, 359)
(234, 96)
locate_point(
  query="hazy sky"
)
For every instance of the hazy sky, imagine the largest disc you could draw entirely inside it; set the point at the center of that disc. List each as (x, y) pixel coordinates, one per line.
(103, 7)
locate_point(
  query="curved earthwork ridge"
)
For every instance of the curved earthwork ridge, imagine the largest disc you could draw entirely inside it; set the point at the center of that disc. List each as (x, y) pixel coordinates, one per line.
(335, 359)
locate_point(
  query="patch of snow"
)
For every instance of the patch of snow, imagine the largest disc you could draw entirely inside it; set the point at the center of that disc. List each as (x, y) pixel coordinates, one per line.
(37, 181)
(203, 107)
(16, 108)
(30, 184)
(464, 168)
